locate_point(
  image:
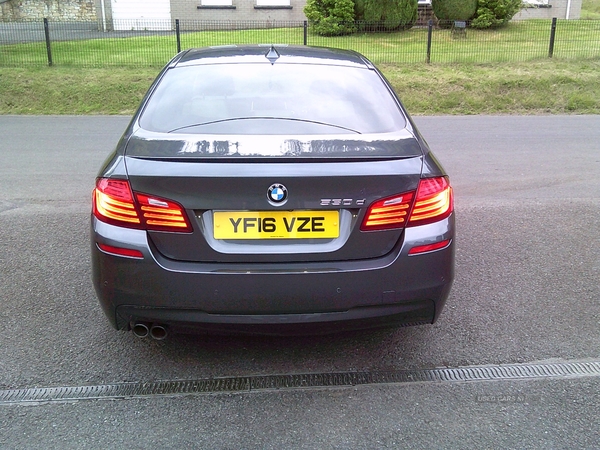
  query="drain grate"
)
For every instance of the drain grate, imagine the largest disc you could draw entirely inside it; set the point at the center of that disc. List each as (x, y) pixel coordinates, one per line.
(320, 380)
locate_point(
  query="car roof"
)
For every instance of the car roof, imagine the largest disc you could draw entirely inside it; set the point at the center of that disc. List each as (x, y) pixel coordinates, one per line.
(278, 54)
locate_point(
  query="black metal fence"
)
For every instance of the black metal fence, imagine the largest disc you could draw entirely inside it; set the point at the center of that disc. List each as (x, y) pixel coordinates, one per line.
(153, 43)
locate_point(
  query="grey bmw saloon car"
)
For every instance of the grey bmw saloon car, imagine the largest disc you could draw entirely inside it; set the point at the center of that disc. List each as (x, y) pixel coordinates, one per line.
(271, 189)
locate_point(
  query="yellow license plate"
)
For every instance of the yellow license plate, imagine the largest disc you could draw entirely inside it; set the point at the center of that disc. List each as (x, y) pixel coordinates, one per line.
(276, 224)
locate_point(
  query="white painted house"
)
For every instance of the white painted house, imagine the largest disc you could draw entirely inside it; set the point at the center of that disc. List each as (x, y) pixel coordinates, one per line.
(161, 14)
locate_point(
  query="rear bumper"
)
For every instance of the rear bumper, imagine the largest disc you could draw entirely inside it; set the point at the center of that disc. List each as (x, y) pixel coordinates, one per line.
(404, 314)
(282, 298)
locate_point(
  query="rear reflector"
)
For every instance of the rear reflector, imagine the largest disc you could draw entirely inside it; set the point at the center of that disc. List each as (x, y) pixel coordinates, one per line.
(114, 203)
(119, 251)
(429, 247)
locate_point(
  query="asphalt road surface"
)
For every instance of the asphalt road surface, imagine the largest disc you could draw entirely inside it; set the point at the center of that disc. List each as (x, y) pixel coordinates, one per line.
(527, 293)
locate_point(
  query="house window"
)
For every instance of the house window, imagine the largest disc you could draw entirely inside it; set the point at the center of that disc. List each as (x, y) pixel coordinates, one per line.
(216, 2)
(272, 2)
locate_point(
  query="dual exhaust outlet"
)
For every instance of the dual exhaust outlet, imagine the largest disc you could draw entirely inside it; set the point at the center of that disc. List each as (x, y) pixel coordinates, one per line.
(154, 330)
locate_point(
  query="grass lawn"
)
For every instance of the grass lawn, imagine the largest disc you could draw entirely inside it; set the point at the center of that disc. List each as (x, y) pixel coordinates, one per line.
(504, 71)
(590, 9)
(547, 86)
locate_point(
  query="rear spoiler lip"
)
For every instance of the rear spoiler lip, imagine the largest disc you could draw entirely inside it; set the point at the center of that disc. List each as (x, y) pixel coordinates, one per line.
(397, 145)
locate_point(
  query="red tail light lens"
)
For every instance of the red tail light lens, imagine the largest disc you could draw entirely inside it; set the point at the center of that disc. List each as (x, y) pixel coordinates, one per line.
(113, 202)
(434, 201)
(163, 215)
(388, 213)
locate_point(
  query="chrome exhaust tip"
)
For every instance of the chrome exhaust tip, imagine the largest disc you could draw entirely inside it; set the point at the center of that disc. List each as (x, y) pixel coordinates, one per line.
(158, 332)
(140, 330)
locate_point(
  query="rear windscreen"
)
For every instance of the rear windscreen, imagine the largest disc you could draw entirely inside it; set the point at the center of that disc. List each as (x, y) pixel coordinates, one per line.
(270, 99)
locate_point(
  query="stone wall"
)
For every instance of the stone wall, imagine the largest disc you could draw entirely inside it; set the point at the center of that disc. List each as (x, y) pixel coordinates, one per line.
(58, 10)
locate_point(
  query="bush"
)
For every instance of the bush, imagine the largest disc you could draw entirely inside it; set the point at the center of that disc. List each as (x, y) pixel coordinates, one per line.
(386, 15)
(495, 13)
(330, 17)
(447, 11)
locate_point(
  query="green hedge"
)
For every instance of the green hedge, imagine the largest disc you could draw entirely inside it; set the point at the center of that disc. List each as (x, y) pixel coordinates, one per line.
(330, 17)
(386, 15)
(495, 13)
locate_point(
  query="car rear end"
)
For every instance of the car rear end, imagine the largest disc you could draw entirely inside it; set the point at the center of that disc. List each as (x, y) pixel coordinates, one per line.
(267, 223)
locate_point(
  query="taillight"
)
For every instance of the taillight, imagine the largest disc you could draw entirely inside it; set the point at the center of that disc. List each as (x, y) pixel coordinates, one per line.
(114, 203)
(434, 201)
(431, 202)
(388, 213)
(162, 215)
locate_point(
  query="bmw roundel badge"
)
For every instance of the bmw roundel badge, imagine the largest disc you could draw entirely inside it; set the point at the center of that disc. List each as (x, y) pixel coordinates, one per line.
(277, 194)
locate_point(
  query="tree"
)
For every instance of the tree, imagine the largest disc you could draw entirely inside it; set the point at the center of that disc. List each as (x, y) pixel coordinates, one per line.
(330, 17)
(386, 15)
(495, 13)
(448, 11)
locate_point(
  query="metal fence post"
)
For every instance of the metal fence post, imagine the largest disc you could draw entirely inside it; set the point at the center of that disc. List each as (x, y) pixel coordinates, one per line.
(552, 36)
(47, 33)
(306, 32)
(429, 35)
(178, 35)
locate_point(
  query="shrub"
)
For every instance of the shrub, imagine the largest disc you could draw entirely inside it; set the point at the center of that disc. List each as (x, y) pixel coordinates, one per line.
(447, 11)
(386, 15)
(330, 17)
(495, 13)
